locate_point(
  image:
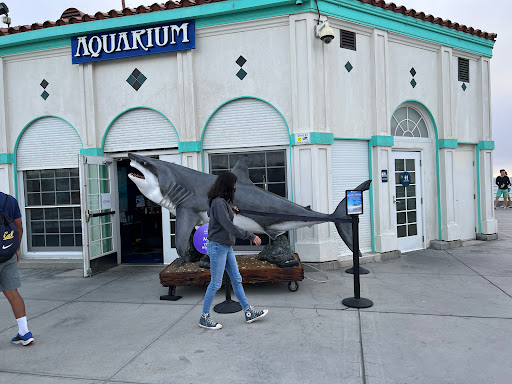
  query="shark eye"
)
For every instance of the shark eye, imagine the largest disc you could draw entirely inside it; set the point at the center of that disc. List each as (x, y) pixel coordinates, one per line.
(145, 163)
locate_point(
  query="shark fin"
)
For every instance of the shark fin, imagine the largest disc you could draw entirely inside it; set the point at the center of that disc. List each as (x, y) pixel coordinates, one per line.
(345, 229)
(273, 234)
(241, 170)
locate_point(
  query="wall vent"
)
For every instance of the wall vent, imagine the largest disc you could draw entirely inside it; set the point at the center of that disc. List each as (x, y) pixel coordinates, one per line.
(463, 70)
(348, 40)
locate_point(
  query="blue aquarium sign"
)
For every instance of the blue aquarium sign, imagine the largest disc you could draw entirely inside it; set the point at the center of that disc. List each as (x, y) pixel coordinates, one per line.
(169, 37)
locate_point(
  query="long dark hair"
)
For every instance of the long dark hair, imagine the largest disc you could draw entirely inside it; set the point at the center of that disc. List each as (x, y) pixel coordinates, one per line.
(223, 187)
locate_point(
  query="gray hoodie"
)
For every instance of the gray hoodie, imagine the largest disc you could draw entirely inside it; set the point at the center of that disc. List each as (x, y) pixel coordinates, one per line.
(221, 228)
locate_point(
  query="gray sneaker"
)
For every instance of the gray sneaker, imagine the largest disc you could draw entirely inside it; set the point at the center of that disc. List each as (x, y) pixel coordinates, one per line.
(206, 322)
(252, 315)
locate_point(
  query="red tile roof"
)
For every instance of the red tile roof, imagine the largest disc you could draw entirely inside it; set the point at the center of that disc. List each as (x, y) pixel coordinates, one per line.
(73, 16)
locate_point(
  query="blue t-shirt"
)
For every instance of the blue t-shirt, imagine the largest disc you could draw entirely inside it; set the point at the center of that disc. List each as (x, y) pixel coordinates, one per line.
(12, 209)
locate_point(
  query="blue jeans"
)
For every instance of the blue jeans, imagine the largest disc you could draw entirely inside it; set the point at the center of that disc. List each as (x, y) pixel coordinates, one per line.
(222, 257)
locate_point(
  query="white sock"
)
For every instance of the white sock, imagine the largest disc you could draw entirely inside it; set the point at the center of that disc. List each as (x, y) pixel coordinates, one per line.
(22, 325)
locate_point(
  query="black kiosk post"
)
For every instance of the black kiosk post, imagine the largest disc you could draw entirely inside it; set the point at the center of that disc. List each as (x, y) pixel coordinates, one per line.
(354, 209)
(228, 305)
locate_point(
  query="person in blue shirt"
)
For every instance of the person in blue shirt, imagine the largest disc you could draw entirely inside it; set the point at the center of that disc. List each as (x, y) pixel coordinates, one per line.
(9, 277)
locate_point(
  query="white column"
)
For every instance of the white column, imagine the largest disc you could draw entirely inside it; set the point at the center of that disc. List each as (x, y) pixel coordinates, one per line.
(449, 227)
(312, 182)
(186, 93)
(191, 160)
(380, 76)
(88, 113)
(445, 122)
(383, 193)
(484, 95)
(489, 224)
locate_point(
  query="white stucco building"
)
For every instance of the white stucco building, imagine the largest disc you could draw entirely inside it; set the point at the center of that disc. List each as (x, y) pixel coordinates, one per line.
(396, 93)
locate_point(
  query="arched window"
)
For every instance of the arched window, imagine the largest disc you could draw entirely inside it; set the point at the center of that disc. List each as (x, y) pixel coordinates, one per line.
(408, 122)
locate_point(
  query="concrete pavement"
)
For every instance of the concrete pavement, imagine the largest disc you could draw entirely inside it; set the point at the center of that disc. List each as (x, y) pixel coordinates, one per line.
(438, 317)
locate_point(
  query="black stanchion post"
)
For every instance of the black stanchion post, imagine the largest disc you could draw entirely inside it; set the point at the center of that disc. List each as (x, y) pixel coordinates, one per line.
(228, 305)
(356, 301)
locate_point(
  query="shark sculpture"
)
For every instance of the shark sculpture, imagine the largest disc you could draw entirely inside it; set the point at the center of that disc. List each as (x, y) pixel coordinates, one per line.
(183, 191)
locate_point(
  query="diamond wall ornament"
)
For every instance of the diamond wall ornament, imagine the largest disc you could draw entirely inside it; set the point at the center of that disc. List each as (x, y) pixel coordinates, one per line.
(44, 84)
(413, 72)
(136, 79)
(45, 95)
(348, 66)
(413, 83)
(241, 61)
(241, 74)
(464, 87)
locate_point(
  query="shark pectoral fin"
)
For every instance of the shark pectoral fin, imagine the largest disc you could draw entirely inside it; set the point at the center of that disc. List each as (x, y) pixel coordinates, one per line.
(273, 234)
(186, 220)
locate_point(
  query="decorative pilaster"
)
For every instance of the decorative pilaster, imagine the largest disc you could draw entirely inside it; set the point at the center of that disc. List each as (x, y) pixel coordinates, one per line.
(486, 221)
(383, 193)
(449, 227)
(313, 185)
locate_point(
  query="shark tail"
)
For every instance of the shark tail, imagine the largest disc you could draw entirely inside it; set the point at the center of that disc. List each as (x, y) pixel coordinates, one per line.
(345, 229)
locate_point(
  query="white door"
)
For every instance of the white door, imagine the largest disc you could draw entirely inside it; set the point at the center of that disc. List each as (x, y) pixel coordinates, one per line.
(408, 200)
(100, 229)
(465, 199)
(169, 221)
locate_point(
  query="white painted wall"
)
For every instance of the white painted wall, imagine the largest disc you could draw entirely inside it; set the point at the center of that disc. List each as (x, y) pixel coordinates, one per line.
(288, 67)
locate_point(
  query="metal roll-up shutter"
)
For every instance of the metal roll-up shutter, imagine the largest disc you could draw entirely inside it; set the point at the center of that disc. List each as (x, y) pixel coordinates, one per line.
(349, 169)
(138, 129)
(246, 122)
(48, 143)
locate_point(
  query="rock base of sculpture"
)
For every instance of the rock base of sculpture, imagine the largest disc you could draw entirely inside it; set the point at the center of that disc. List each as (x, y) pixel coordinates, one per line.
(277, 252)
(192, 254)
(251, 269)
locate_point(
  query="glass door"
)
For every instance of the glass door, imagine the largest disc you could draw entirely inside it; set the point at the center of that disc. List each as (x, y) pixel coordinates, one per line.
(408, 200)
(99, 213)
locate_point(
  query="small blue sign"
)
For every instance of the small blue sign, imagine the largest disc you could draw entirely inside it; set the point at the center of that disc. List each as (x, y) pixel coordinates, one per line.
(354, 202)
(139, 41)
(384, 175)
(405, 179)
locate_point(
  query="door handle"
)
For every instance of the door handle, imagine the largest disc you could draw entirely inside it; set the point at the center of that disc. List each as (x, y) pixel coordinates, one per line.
(394, 199)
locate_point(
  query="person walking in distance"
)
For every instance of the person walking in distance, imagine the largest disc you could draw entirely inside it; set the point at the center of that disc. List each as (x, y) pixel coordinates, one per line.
(9, 277)
(222, 234)
(502, 182)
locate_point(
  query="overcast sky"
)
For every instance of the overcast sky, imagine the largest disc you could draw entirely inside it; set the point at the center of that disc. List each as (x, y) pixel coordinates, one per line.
(492, 16)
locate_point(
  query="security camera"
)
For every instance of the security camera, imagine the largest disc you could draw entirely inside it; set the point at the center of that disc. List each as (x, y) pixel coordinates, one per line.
(324, 32)
(3, 9)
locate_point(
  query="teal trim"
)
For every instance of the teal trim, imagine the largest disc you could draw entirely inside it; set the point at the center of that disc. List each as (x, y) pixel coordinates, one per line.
(36, 46)
(372, 222)
(316, 138)
(485, 145)
(226, 12)
(321, 138)
(243, 97)
(434, 125)
(350, 138)
(205, 15)
(18, 141)
(190, 146)
(129, 109)
(447, 143)
(387, 20)
(92, 152)
(382, 141)
(7, 158)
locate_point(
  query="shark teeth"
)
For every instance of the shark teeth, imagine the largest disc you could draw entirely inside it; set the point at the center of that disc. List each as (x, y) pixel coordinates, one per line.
(137, 176)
